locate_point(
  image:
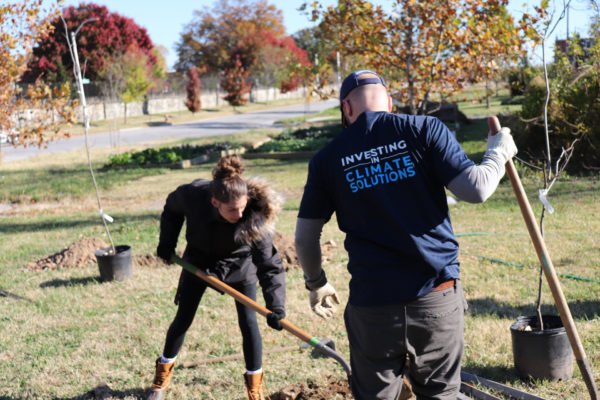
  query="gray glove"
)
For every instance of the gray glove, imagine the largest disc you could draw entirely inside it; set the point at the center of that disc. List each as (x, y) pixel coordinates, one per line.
(322, 300)
(501, 145)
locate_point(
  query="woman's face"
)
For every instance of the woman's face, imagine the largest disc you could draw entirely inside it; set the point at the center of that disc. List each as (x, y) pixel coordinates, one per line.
(231, 211)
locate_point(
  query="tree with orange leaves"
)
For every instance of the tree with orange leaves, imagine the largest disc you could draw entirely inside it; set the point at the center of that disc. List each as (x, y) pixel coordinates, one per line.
(425, 48)
(47, 108)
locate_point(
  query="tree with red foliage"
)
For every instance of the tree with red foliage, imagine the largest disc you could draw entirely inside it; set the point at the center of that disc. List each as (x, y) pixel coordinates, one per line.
(192, 101)
(296, 61)
(276, 61)
(98, 42)
(235, 83)
(214, 35)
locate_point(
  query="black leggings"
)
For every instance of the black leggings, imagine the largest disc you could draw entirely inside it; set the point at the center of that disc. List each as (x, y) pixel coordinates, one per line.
(191, 290)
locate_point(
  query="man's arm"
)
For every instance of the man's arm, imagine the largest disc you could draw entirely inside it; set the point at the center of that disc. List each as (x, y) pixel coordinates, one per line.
(476, 183)
(308, 248)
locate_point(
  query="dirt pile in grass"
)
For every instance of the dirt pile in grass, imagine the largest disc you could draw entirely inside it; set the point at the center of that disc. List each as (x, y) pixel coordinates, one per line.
(81, 254)
(147, 260)
(328, 391)
(77, 255)
(312, 391)
(326, 249)
(286, 249)
(283, 243)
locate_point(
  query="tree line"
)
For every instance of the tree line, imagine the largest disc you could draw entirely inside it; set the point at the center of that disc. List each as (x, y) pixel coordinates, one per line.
(427, 50)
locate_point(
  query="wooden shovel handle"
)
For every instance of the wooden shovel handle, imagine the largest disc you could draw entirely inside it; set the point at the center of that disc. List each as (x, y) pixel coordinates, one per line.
(548, 267)
(240, 298)
(248, 302)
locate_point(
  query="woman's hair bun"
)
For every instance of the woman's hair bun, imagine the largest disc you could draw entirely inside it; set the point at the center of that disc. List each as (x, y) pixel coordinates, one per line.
(228, 167)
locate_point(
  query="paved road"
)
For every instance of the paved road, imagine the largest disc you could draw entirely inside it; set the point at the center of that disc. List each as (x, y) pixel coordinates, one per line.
(209, 127)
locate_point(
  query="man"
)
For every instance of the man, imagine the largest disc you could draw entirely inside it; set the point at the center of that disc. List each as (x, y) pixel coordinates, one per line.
(384, 176)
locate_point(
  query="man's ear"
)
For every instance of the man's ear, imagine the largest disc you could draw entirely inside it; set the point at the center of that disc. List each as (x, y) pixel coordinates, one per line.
(347, 108)
(214, 202)
(389, 103)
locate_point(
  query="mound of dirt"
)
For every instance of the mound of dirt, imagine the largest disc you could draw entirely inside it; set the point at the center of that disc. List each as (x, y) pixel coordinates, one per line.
(148, 260)
(312, 391)
(328, 391)
(286, 249)
(79, 254)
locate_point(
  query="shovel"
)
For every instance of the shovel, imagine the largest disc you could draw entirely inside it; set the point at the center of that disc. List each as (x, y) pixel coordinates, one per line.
(325, 346)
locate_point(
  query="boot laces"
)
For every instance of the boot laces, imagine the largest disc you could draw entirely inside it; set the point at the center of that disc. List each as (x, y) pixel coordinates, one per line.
(256, 392)
(161, 378)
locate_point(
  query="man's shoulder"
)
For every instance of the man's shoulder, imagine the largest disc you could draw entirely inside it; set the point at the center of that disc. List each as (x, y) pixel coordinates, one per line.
(414, 119)
(326, 151)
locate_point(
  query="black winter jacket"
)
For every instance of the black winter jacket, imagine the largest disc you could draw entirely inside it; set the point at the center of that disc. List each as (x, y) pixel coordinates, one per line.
(235, 253)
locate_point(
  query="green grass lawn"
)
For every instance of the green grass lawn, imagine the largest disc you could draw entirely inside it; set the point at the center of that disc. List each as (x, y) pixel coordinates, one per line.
(78, 332)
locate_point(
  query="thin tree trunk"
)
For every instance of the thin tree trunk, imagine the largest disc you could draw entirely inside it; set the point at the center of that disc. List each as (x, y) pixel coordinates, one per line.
(487, 93)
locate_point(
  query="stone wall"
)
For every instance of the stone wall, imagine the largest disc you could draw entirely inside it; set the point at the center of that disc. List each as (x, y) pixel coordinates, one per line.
(164, 104)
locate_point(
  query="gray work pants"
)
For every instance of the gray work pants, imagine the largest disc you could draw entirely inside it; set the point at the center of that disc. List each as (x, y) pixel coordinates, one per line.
(428, 331)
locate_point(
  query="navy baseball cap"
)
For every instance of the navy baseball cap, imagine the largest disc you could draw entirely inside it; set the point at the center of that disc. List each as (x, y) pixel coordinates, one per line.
(353, 81)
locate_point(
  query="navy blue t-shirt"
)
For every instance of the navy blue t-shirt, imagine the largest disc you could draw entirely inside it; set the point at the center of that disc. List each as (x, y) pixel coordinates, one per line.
(384, 177)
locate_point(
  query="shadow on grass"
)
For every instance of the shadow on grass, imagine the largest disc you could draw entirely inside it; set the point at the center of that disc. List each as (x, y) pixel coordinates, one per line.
(69, 223)
(586, 309)
(152, 124)
(498, 373)
(56, 283)
(136, 393)
(94, 394)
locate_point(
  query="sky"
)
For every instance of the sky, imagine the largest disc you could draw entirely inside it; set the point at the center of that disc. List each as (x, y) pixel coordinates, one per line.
(165, 19)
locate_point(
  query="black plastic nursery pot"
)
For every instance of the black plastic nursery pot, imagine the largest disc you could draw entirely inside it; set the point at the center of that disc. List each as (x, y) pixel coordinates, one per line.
(540, 354)
(117, 266)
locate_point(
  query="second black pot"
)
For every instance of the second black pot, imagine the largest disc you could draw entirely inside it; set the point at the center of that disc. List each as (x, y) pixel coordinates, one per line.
(540, 354)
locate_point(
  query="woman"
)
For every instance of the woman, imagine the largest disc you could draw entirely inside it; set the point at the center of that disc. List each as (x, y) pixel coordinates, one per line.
(229, 221)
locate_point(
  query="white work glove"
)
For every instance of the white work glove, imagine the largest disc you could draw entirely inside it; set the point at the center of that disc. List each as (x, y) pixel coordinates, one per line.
(322, 300)
(501, 145)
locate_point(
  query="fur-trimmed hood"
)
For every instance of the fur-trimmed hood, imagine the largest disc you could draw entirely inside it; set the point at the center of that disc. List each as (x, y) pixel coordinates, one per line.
(264, 204)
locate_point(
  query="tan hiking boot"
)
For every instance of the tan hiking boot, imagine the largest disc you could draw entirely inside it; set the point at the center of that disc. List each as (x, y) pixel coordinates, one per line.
(254, 386)
(162, 379)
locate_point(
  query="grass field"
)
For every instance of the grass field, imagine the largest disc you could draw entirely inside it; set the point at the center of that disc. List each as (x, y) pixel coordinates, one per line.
(78, 332)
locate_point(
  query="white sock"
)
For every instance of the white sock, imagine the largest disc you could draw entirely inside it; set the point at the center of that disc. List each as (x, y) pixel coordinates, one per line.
(165, 360)
(258, 371)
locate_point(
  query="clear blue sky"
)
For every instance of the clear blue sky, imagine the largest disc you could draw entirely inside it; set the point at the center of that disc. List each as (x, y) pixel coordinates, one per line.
(164, 19)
